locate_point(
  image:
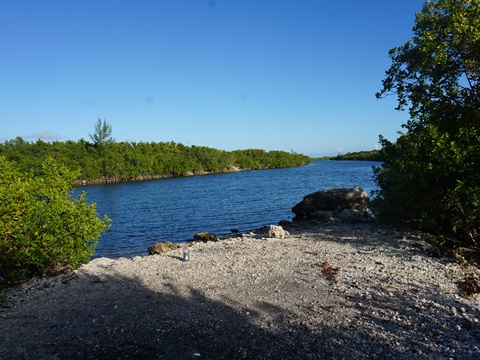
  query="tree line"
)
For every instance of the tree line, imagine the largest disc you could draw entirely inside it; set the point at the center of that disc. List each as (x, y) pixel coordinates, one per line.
(371, 155)
(129, 160)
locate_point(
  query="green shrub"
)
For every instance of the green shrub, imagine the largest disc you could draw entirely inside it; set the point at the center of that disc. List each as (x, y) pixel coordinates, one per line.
(41, 228)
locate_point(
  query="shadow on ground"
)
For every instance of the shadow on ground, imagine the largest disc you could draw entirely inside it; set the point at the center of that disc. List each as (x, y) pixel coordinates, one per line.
(117, 317)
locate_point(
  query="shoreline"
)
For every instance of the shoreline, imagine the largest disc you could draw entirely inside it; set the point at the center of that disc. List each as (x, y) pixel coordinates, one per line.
(336, 291)
(150, 177)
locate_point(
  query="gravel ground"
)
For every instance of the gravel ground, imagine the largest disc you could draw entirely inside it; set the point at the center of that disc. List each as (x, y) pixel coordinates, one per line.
(324, 292)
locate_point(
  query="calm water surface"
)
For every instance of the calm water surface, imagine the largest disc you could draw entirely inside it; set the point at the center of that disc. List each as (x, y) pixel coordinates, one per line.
(144, 213)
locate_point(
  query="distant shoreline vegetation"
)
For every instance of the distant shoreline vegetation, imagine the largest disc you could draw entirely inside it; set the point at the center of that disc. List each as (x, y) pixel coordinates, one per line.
(131, 161)
(373, 155)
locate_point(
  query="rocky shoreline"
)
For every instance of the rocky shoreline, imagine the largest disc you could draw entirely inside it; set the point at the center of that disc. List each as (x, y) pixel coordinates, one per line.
(325, 291)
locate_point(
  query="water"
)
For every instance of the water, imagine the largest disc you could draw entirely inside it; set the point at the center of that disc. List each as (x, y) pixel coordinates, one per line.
(144, 213)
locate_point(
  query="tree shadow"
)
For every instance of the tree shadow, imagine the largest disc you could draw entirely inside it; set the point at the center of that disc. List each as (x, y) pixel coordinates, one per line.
(118, 317)
(113, 317)
(434, 323)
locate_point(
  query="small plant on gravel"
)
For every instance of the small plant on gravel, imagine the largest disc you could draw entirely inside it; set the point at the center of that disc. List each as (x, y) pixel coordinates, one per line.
(469, 286)
(329, 271)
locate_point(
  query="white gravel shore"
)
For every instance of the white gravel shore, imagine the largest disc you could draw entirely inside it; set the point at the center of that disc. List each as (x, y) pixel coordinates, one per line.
(325, 292)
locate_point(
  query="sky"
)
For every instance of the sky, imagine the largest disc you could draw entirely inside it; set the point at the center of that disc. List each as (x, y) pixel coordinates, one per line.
(285, 75)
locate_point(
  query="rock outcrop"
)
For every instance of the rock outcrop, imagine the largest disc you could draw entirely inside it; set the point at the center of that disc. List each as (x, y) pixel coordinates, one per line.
(338, 204)
(205, 236)
(159, 248)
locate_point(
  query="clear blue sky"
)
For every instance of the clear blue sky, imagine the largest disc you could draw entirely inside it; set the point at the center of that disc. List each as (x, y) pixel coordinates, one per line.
(228, 74)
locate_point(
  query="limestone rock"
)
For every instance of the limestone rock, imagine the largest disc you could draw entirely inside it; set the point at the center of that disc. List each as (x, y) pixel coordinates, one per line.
(276, 232)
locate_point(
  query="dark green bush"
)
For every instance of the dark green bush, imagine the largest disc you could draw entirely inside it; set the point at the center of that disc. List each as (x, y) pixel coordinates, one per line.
(430, 176)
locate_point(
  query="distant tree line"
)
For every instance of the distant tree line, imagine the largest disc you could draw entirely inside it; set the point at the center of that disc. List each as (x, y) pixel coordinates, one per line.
(373, 155)
(128, 160)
